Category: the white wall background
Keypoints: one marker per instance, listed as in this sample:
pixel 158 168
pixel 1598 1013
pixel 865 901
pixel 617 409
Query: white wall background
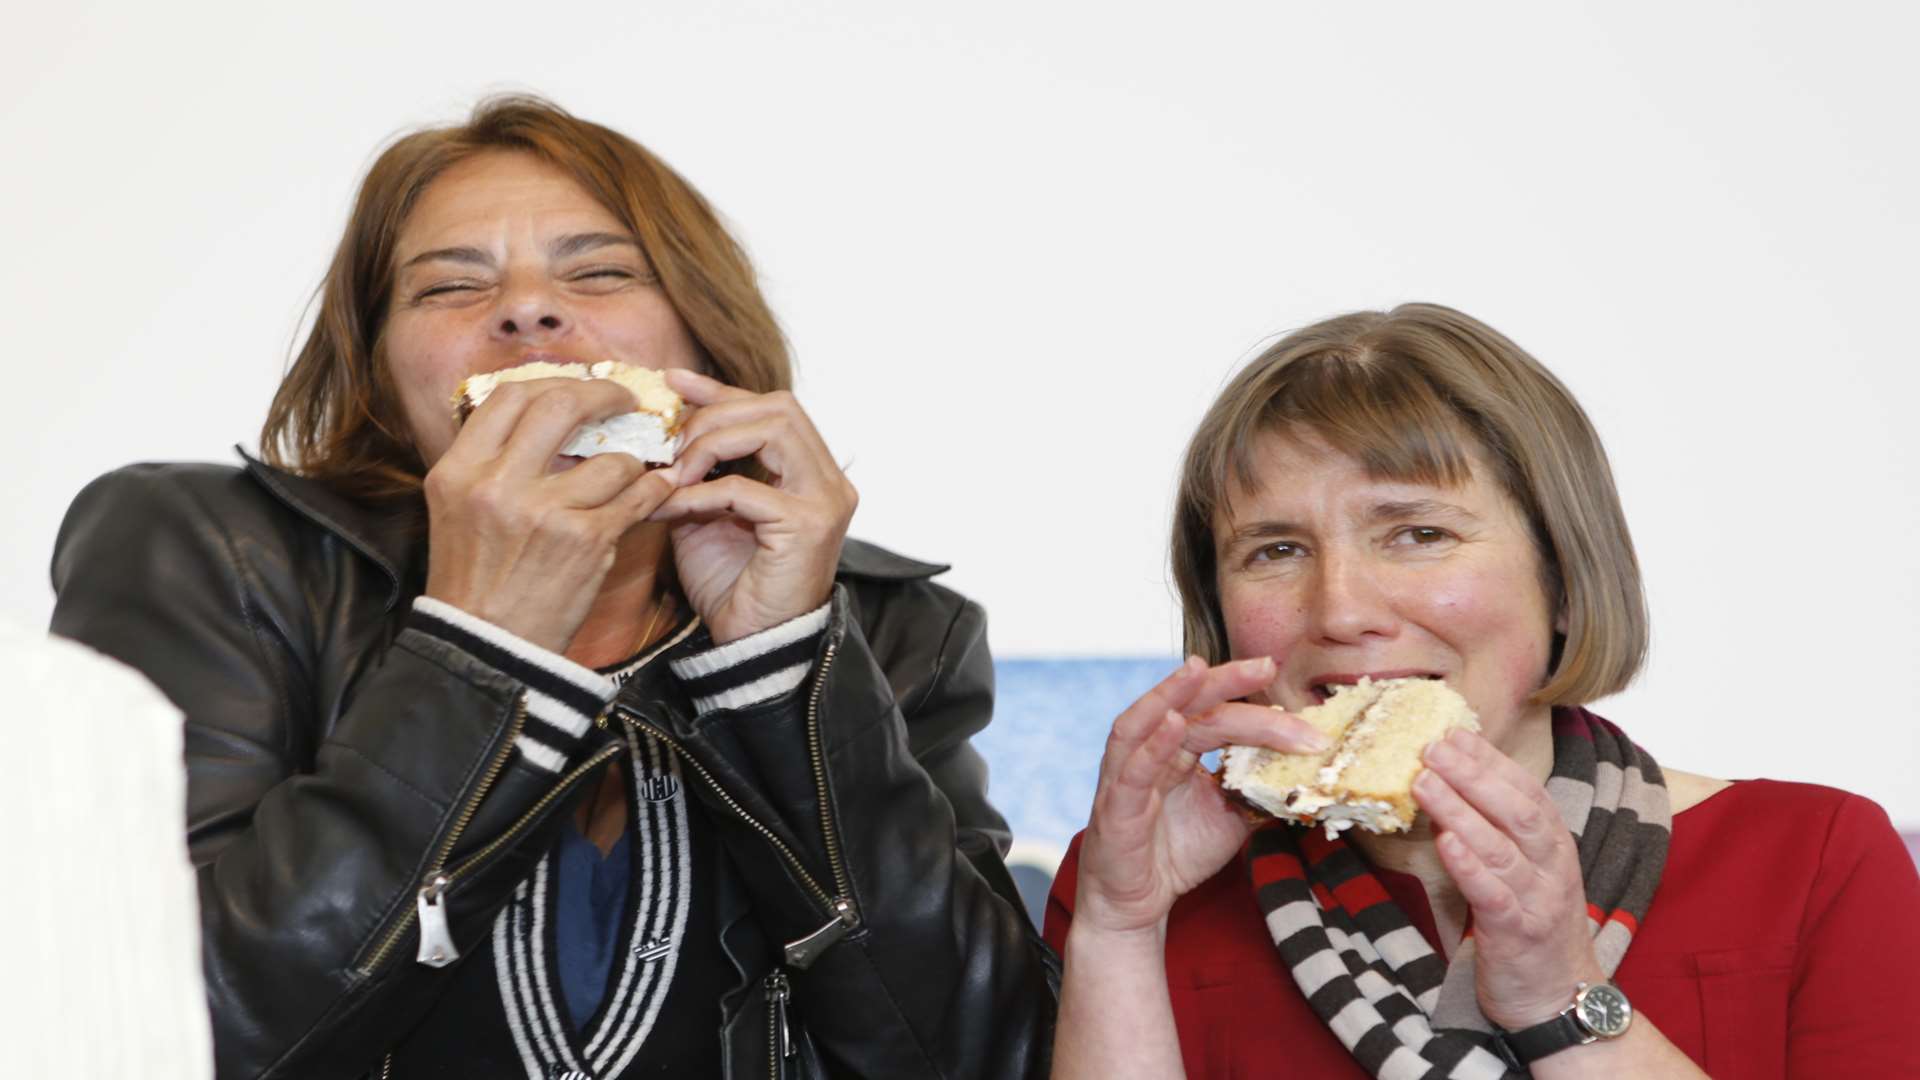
pixel 1019 245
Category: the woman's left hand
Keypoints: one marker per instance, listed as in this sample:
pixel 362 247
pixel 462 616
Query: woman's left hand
pixel 750 554
pixel 1505 846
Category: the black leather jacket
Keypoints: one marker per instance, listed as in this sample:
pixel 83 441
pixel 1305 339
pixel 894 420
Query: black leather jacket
pixel 337 762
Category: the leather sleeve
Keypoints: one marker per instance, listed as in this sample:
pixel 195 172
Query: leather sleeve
pixel 308 849
pixel 944 976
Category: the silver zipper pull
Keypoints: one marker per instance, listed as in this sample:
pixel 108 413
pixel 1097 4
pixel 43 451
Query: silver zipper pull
pixel 436 938
pixel 802 953
pixel 778 989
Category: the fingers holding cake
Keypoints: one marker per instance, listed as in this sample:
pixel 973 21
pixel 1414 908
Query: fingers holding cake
pixel 524 425
pixel 511 541
pixel 1236 723
pixel 1501 840
pixel 1207 701
pixel 753 553
pixel 1469 782
pixel 730 424
pixel 1160 824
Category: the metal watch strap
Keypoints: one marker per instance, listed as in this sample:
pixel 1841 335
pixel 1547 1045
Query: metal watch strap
pixel 1528 1045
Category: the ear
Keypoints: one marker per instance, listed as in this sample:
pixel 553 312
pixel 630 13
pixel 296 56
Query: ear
pixel 1560 620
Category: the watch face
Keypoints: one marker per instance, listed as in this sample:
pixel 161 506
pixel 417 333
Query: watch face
pixel 1604 1011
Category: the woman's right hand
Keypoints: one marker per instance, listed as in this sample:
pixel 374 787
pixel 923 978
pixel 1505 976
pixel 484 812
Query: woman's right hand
pixel 515 542
pixel 1160 824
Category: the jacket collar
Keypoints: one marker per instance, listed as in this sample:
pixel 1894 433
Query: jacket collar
pixel 388 540
pixel 391 541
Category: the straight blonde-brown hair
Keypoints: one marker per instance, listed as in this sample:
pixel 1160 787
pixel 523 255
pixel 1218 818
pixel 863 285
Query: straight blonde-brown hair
pixel 336 417
pixel 1418 394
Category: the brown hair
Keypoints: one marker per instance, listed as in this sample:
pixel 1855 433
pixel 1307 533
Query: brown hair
pixel 1417 394
pixel 336 417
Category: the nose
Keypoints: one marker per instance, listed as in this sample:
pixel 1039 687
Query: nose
pixel 1349 604
pixel 531 313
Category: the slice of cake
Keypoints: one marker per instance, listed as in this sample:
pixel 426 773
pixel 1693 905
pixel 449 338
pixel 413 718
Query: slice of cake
pixel 650 433
pixel 1377 731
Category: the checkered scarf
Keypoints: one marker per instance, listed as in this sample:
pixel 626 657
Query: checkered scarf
pixel 1403 1012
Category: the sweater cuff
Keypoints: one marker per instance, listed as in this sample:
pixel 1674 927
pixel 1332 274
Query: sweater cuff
pixel 562 697
pixel 755 669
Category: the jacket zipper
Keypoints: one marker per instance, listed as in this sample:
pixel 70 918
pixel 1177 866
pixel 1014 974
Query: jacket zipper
pixel 816 750
pixel 845 918
pixel 779 1035
pixel 826 900
pixel 802 953
pixel 430 905
pixel 386 1068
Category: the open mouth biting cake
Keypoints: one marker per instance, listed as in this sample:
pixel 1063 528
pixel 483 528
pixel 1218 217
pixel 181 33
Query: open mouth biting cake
pixel 650 432
pixel 1377 731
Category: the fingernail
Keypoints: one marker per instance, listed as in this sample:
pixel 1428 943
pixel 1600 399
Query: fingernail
pixel 1442 754
pixel 1193 664
pixel 1425 784
pixel 1259 665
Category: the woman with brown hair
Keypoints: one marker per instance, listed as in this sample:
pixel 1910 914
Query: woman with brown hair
pixel 1409 494
pixel 503 762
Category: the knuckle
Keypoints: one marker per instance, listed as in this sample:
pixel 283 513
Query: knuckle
pixel 489 493
pixel 572 527
pixel 624 466
pixel 553 404
pixel 439 482
pixel 1530 821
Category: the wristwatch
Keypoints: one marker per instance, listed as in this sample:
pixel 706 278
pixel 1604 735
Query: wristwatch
pixel 1599 1011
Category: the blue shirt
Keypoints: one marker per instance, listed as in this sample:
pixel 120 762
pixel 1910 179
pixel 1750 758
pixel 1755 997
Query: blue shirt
pixel 590 898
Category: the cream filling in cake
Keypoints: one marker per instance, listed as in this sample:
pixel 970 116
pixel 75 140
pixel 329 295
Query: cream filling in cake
pixel 1378 731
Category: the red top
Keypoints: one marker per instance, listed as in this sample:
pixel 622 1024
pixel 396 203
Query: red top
pixel 1784 941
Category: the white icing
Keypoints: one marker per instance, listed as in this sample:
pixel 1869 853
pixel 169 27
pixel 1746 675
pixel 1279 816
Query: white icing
pixel 641 434
pixel 1369 814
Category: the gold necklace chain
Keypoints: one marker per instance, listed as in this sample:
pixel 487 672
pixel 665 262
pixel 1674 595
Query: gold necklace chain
pixel 660 606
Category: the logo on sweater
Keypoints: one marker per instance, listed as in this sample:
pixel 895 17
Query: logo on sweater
pixel 653 949
pixel 658 787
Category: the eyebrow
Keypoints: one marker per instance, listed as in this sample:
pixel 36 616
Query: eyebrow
pixel 582 242
pixel 1401 509
pixel 565 247
pixel 450 254
pixel 1389 510
pixel 1255 531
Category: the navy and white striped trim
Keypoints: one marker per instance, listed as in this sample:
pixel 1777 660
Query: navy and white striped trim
pixel 638 987
pixel 562 697
pixel 756 668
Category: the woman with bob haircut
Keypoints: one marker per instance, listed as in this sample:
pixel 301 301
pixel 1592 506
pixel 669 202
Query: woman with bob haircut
pixel 503 762
pixel 1410 494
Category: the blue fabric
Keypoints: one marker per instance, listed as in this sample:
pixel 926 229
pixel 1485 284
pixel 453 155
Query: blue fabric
pixel 590 904
pixel 1050 720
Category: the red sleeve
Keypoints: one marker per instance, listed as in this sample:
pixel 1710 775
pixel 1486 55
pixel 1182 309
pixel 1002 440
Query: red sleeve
pixel 1060 898
pixel 1856 985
